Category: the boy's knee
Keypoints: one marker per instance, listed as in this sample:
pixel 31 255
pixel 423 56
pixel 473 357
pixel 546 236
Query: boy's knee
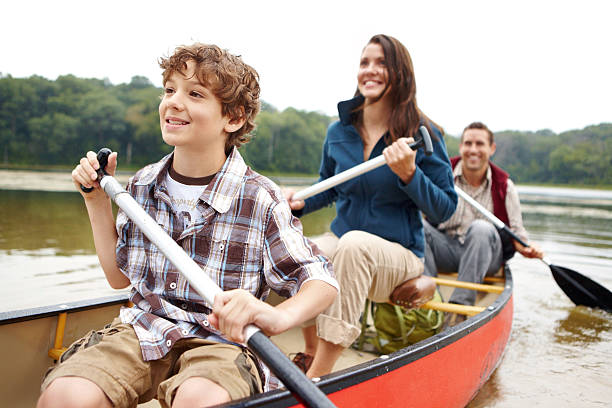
pixel 67 392
pixel 199 392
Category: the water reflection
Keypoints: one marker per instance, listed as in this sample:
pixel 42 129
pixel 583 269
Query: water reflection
pixel 35 220
pixel 583 325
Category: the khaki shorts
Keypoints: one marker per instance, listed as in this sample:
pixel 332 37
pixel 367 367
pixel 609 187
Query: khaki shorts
pixel 112 359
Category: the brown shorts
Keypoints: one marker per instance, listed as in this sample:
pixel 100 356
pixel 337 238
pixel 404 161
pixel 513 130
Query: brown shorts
pixel 112 359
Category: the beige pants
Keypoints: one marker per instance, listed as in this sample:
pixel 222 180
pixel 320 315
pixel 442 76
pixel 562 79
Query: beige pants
pixel 112 359
pixel 366 266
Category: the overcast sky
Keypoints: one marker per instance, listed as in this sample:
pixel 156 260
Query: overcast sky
pixel 522 65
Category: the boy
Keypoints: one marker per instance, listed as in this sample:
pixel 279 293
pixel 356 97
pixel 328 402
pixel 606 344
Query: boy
pixel 233 222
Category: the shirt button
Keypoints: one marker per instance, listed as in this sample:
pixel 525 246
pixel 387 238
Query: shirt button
pixel 221 246
pixel 173 285
pixel 205 323
pixel 168 343
pixel 185 332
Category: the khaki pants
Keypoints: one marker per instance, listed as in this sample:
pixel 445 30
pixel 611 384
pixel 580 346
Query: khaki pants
pixel 112 359
pixel 366 266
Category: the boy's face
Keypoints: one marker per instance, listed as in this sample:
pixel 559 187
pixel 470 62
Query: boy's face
pixel 190 114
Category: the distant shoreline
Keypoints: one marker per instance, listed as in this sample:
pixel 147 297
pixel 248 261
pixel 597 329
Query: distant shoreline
pixel 60 181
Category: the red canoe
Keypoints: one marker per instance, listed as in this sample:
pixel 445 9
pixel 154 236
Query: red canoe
pixel 445 370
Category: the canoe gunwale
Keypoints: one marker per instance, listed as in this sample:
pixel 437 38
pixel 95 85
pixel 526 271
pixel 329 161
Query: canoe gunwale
pixel 22 315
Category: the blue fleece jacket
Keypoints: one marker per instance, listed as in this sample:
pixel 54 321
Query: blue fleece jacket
pixel 378 202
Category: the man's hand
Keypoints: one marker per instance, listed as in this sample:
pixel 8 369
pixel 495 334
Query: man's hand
pixel 532 251
pixel 401 158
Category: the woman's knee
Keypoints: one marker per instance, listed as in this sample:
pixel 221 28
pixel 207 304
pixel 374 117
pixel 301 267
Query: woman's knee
pixel 354 241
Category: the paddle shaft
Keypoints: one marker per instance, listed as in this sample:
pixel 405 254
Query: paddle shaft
pixel 339 178
pixel 302 387
pixel 496 221
pixel 424 141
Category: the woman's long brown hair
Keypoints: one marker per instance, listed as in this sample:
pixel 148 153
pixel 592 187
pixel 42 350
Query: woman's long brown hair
pixel 405 116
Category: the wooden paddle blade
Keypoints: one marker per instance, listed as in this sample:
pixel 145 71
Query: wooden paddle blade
pixel 582 290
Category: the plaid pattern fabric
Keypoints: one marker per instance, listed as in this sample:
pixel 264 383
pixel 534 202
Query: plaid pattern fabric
pixel 458 224
pixel 246 238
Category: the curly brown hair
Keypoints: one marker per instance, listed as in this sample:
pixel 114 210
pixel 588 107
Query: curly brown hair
pixel 235 83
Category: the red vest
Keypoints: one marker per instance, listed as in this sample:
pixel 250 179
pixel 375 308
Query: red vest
pixel 499 186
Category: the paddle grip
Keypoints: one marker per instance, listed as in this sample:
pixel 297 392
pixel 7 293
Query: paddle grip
pixel 103 154
pixel 425 141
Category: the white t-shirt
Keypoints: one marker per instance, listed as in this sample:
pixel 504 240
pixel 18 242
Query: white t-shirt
pixel 184 198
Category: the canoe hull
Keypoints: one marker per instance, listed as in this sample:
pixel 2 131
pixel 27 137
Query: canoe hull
pixel 446 370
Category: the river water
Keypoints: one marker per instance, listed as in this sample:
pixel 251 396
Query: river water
pixel 558 355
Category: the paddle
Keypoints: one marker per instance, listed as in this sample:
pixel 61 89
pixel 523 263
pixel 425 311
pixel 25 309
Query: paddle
pixel 423 141
pixel 580 289
pixel 302 387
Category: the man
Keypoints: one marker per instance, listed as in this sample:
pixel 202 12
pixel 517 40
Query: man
pixel 467 242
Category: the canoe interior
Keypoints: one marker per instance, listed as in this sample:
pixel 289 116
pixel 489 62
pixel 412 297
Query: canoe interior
pixel 26 337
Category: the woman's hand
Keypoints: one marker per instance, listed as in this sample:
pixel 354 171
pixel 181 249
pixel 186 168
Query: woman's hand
pixel 293 204
pixel 234 309
pixel 85 174
pixel 401 158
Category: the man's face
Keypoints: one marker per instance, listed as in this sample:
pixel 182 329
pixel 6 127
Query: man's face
pixel 475 149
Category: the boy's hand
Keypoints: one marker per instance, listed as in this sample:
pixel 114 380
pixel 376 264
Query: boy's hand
pixel 235 309
pixel 293 204
pixel 401 158
pixel 84 174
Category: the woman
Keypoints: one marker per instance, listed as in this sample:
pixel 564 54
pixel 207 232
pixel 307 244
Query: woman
pixel 376 245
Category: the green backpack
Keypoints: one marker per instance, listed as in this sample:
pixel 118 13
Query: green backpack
pixel 395 327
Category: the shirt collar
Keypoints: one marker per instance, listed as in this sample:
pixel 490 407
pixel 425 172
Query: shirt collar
pixel 219 193
pixel 346 108
pixel 458 173
pixel 226 185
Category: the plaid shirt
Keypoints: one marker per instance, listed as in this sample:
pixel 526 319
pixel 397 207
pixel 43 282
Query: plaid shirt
pixel 458 224
pixel 246 238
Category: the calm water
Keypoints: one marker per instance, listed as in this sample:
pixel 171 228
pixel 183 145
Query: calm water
pixel 558 354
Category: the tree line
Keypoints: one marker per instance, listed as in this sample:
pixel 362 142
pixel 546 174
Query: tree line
pixel 52 123
pixel 581 156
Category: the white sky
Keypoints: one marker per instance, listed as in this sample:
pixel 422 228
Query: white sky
pixel 523 65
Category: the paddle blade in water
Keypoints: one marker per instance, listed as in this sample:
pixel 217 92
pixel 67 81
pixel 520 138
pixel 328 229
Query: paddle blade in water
pixel 582 290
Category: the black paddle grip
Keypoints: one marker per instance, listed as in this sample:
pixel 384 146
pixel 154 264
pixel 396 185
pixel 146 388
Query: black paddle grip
pixel 423 141
pixel 103 154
